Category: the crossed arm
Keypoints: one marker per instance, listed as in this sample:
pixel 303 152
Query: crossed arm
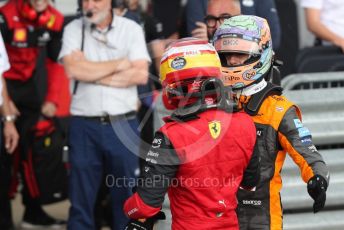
pixel 120 73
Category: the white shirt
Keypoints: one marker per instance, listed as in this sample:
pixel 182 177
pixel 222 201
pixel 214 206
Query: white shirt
pixel 331 13
pixel 4 64
pixel 124 39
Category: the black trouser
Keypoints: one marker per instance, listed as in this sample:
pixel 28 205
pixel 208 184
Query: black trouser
pixel 5 181
pixel 28 100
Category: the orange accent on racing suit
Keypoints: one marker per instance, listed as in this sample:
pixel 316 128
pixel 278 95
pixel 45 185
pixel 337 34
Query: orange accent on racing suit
pixel 279 130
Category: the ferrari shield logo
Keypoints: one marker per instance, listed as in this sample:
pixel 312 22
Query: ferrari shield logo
pixel 215 129
pixel 51 21
pixel 20 35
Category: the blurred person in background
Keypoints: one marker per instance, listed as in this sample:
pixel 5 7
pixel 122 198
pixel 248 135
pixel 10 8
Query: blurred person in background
pixel 30 27
pixel 325 19
pixel 153 29
pixel 10 137
pixel 169 14
pixel 106 57
pixel 196 13
pixel 120 8
pixel 156 46
pixel 245 48
pixel 217 12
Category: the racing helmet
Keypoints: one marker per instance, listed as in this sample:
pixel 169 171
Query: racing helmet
pixel 184 66
pixel 244 34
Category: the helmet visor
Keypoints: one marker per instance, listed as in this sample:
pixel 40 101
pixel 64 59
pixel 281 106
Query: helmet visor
pixel 237 45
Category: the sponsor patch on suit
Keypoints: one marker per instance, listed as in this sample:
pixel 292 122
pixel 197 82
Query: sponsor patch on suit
pixel 304 132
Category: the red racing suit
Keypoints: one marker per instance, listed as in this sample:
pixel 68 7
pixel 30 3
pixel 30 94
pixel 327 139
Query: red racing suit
pixel 200 171
pixel 32 44
pixel 26 39
pixel 279 131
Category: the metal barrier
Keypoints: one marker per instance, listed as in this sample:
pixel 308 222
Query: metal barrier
pixel 330 220
pixel 322 107
pixel 309 80
pixel 323 113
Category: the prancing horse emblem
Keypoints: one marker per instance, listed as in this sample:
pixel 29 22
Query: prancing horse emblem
pixel 215 129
